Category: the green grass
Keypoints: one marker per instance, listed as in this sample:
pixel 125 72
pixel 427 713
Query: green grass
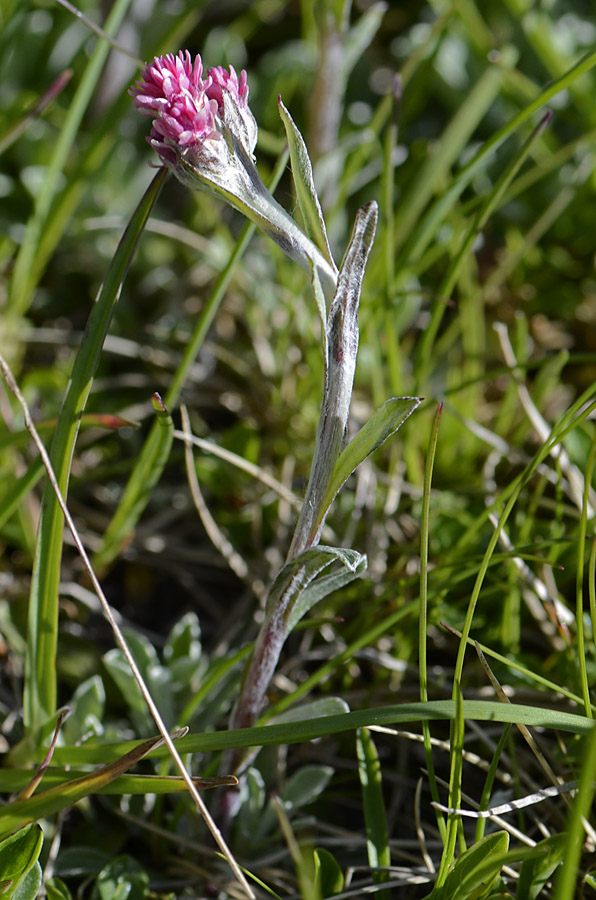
pixel 476 517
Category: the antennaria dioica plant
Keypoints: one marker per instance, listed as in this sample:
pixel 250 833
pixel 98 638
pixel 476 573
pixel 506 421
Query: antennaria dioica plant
pixel 499 496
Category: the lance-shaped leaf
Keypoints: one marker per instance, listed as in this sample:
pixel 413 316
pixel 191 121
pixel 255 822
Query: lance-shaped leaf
pixel 304 183
pixel 342 344
pixel 384 423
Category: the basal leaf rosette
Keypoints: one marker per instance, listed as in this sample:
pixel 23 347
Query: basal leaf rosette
pixel 204 131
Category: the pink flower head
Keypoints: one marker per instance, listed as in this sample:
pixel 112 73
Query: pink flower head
pixel 188 111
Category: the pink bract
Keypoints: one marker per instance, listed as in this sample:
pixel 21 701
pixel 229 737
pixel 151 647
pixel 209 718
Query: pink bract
pixel 183 105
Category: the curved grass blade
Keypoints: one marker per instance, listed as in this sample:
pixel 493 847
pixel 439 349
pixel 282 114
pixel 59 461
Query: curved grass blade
pixel 311 729
pixel 452 142
pixel 488 206
pixel 39 699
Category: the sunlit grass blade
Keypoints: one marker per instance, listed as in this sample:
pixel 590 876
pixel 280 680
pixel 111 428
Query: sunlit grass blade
pixel 121 525
pixel 39 699
pixel 375 819
pixel 26 271
pixel 570 419
pixel 311 729
pixel 456 739
pixel 423 618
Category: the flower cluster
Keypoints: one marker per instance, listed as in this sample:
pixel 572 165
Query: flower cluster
pixel 205 133
pixel 188 111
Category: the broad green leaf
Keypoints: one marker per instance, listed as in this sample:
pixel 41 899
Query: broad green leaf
pixel 87 708
pixel 475 870
pixel 29 885
pixel 18 856
pixel 329 878
pixel 184 640
pixel 535 871
pixel 375 820
pixel 157 677
pixel 306 193
pixel 382 424
pixel 39 697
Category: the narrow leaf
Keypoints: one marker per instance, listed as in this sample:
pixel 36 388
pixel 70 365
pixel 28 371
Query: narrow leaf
pixel 306 193
pixel 311 729
pixel 382 424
